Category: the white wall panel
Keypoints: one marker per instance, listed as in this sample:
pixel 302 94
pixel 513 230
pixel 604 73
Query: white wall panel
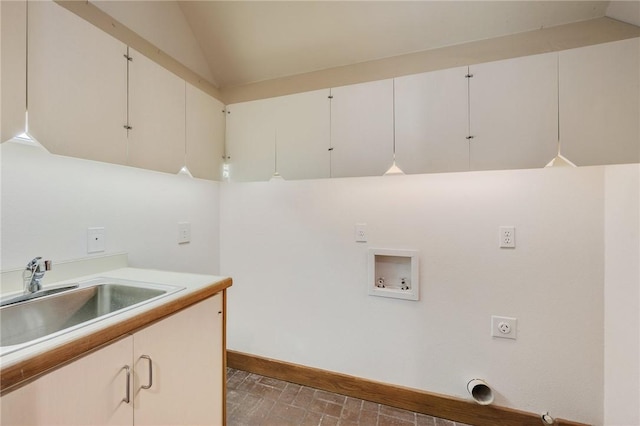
pixel 305 281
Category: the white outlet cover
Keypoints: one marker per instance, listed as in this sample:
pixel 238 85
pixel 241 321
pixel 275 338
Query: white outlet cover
pixel 507 236
pixel 504 327
pixel 95 240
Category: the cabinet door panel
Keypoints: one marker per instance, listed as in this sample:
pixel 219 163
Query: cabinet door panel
pixel 362 129
pixel 600 103
pixel 157 115
pixel 251 136
pixel 14 58
pixel 205 134
pixel 88 391
pixel 431 122
pixel 302 135
pixel 186 351
pixel 77 86
pixel 514 113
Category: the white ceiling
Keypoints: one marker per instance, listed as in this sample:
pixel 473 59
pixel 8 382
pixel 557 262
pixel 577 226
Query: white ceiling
pixel 240 42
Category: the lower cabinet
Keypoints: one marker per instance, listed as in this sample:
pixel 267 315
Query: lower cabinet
pixel 170 372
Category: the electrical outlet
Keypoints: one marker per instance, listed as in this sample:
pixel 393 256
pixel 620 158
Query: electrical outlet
pixel 361 232
pixel 184 232
pixel 507 236
pixel 504 327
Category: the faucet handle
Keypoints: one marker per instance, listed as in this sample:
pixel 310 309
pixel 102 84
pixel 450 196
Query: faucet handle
pixel 47 265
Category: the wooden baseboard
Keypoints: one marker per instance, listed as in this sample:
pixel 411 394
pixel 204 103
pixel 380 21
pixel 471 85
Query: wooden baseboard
pixel 432 404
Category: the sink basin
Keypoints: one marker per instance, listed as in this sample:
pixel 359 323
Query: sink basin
pixel 37 319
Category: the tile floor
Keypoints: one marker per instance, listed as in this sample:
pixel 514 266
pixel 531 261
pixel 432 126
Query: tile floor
pixel 254 400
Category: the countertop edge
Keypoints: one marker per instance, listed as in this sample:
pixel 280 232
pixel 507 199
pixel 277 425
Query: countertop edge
pixel 22 372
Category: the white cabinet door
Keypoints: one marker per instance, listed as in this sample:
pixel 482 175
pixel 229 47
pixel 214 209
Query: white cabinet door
pixel 77 86
pixel 514 113
pixel 251 140
pixel 156 115
pixel 13 74
pixel 431 122
pixel 600 103
pixel 287 133
pixel 205 118
pixel 362 129
pixel 89 391
pixel 302 135
pixel 186 354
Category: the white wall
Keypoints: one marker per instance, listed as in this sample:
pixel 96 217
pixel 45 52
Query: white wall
pixel 49 201
pixel 622 295
pixel 299 281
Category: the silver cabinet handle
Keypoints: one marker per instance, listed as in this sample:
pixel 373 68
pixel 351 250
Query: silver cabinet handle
pixel 148 358
pixel 127 398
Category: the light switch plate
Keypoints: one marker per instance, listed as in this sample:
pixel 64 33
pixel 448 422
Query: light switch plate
pixel 184 232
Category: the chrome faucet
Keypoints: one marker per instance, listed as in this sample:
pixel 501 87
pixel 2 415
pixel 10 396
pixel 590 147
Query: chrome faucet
pixel 37 267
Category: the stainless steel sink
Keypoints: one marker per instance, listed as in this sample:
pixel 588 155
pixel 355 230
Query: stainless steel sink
pixel 44 317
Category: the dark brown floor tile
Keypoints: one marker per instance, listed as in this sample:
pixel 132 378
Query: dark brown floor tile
pixel 330 397
pixel 393 421
pixel 304 397
pixel 268 381
pixel 288 411
pixel 424 420
pixel 329 421
pixel 368 417
pixel 311 419
pixel 443 422
pixel 255 415
pixel 267 392
pixel 351 410
pixel 370 406
pixel 344 422
pixel 333 410
pixel 317 406
pixel 290 393
pixel 234 397
pixel 398 413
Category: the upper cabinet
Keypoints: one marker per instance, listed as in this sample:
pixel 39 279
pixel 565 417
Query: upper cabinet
pixel 205 127
pixel 288 135
pixel 513 108
pixel 302 135
pixel 431 122
pixel 600 103
pixel 92 97
pixel 251 140
pixel 77 86
pixel 156 116
pixel 13 49
pixel 362 129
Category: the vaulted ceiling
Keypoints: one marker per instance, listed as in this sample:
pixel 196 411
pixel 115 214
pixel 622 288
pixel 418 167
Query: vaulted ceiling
pixel 242 42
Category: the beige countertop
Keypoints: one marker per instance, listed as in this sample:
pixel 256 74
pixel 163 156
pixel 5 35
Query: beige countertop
pixel 21 364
